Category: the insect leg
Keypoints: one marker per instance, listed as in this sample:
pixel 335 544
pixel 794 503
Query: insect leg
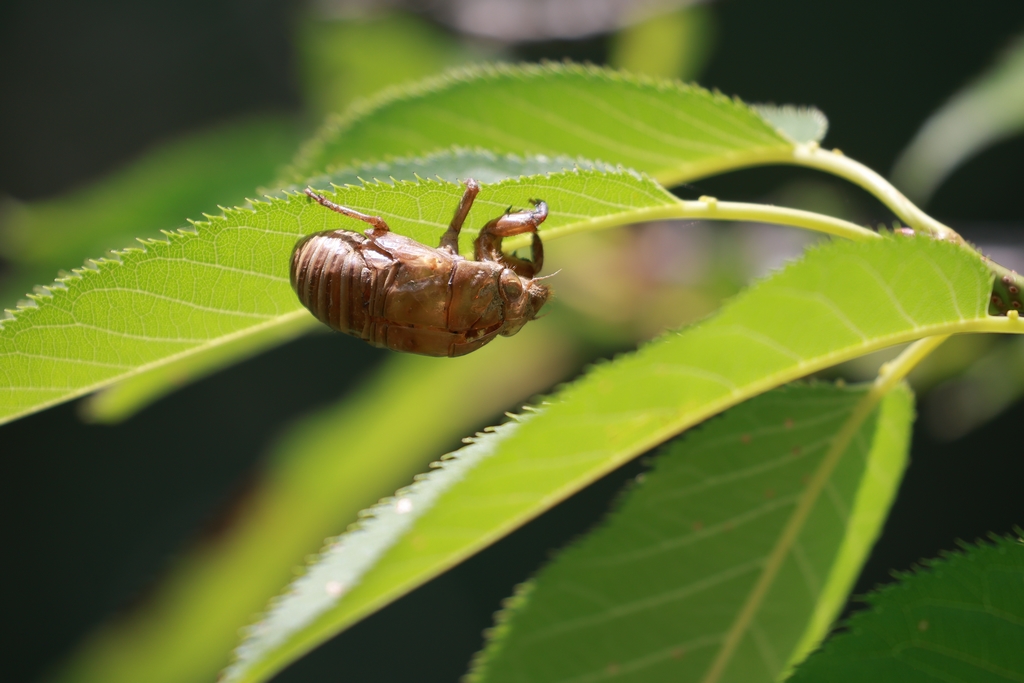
pixel 376 221
pixel 522 267
pixel 537 254
pixel 488 244
pixel 450 239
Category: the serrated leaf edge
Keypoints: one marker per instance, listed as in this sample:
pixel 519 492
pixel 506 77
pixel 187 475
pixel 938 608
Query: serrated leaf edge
pixel 364 542
pixel 494 636
pixel 364 108
pixel 115 257
pixel 904 581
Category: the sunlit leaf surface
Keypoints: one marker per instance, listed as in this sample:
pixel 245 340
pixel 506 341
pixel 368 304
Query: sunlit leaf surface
pixel 983 113
pixel 671 131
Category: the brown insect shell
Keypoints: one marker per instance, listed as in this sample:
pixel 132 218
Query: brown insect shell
pixel 394 292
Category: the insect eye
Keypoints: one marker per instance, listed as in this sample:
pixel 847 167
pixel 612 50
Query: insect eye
pixel 511 285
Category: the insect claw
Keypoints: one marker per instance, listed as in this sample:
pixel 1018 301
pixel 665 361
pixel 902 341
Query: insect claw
pixel 508 210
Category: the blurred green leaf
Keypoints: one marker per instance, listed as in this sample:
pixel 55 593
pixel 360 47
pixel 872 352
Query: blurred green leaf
pixel 196 291
pixel 183 177
pixel 840 301
pixel 322 472
pixel 672 44
pixel 958 618
pixel 651 594
pixel 986 111
pixel 989 385
pixel 346 58
pixel 673 132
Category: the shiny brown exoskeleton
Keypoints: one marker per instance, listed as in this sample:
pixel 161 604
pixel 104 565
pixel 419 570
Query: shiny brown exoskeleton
pixel 397 293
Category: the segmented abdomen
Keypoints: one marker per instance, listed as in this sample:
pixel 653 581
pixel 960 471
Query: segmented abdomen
pixel 331 278
pixel 396 293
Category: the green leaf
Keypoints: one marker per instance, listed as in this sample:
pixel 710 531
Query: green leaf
pixel 355 56
pixel 674 44
pixel 320 473
pixel 671 131
pixel 986 111
pixel 200 290
pixel 983 389
pixel 839 302
pixel 664 580
pixel 959 618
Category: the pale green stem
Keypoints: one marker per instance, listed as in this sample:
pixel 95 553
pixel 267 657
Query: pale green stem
pixel 709 208
pixel 834 162
pixel 889 375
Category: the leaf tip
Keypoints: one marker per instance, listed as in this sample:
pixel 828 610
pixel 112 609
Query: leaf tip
pixel 799 124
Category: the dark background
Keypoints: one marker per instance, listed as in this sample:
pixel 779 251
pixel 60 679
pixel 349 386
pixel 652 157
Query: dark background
pixel 91 518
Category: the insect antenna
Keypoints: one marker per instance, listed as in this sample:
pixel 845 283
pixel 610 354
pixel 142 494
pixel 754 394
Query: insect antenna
pixel 549 275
